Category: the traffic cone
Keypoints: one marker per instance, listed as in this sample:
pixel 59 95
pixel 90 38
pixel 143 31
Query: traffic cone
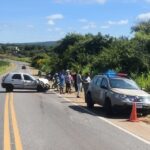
pixel 133 116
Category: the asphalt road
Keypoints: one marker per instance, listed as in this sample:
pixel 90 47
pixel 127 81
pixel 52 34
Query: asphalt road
pixel 45 121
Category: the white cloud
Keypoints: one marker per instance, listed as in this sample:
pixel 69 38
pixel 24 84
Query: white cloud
pixel 4 26
pixel 56 29
pixel 105 27
pixel 83 20
pixel 144 17
pixel 30 26
pixel 147 1
pixel 81 1
pixel 53 18
pixel 90 25
pixel 120 22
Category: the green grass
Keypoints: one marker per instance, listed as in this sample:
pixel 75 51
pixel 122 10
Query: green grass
pixel 4 67
pixel 143 81
pixel 11 57
pixel 23 59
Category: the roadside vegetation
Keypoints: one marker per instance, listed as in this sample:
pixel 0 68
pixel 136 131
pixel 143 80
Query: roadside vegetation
pixel 4 66
pixel 95 54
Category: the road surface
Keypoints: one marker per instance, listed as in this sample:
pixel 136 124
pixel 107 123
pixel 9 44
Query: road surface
pixel 45 121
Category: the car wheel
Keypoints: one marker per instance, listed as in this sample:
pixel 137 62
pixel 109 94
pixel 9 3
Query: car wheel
pixel 47 86
pixel 89 101
pixel 108 107
pixel 9 88
pixel 40 88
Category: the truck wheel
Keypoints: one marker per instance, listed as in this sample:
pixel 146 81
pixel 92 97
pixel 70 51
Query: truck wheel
pixel 89 101
pixel 108 107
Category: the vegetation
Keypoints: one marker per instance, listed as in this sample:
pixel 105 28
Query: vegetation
pixel 94 53
pixel 4 66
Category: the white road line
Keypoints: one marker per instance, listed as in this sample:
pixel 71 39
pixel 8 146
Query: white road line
pixel 107 121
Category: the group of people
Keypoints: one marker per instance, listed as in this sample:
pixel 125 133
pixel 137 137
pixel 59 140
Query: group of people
pixel 68 80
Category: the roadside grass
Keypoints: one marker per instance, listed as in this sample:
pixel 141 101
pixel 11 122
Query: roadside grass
pixel 11 57
pixel 143 81
pixel 23 59
pixel 5 66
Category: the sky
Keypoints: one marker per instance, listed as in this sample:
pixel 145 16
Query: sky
pixel 24 21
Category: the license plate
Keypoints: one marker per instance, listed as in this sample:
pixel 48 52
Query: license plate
pixel 139 105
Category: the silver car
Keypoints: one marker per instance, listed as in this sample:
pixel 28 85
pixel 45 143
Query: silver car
pixel 24 81
pixel 116 92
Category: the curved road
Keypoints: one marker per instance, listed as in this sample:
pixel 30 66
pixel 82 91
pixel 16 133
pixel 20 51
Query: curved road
pixel 45 121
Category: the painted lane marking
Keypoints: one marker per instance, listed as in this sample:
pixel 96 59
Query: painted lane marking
pixel 18 143
pixel 107 121
pixel 6 125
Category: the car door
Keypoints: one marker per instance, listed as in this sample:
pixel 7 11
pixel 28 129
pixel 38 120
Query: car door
pixel 17 81
pixel 104 89
pixel 98 89
pixel 29 82
pixel 93 87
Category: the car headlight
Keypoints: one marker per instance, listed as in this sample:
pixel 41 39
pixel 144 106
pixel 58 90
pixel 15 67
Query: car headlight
pixel 124 97
pixel 120 96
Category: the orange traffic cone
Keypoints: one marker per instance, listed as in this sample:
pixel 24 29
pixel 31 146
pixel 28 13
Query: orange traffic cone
pixel 133 116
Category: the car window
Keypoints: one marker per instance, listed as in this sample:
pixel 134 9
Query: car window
pixel 94 80
pixel 98 81
pixel 16 76
pixel 104 83
pixel 123 84
pixel 26 77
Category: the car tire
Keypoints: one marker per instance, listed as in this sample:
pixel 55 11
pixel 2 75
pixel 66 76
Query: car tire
pixel 39 88
pixel 89 101
pixel 47 86
pixel 9 88
pixel 108 107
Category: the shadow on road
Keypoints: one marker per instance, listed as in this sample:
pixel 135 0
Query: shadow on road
pixel 2 91
pixel 99 111
pixel 27 91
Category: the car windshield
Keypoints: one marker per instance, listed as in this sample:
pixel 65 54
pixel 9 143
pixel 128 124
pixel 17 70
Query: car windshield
pixel 123 83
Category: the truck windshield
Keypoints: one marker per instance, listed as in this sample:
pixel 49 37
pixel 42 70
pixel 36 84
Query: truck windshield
pixel 123 83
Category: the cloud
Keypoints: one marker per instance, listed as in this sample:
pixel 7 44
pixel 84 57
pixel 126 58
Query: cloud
pixel 56 29
pixel 30 26
pixel 105 27
pixel 144 17
pixel 5 26
pixel 90 25
pixel 81 1
pixel 147 1
pixel 53 18
pixel 120 22
pixel 83 20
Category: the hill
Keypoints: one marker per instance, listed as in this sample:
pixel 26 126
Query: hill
pixel 45 44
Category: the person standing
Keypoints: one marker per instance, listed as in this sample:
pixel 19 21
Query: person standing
pixel 86 82
pixel 79 84
pixel 68 80
pixel 62 82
